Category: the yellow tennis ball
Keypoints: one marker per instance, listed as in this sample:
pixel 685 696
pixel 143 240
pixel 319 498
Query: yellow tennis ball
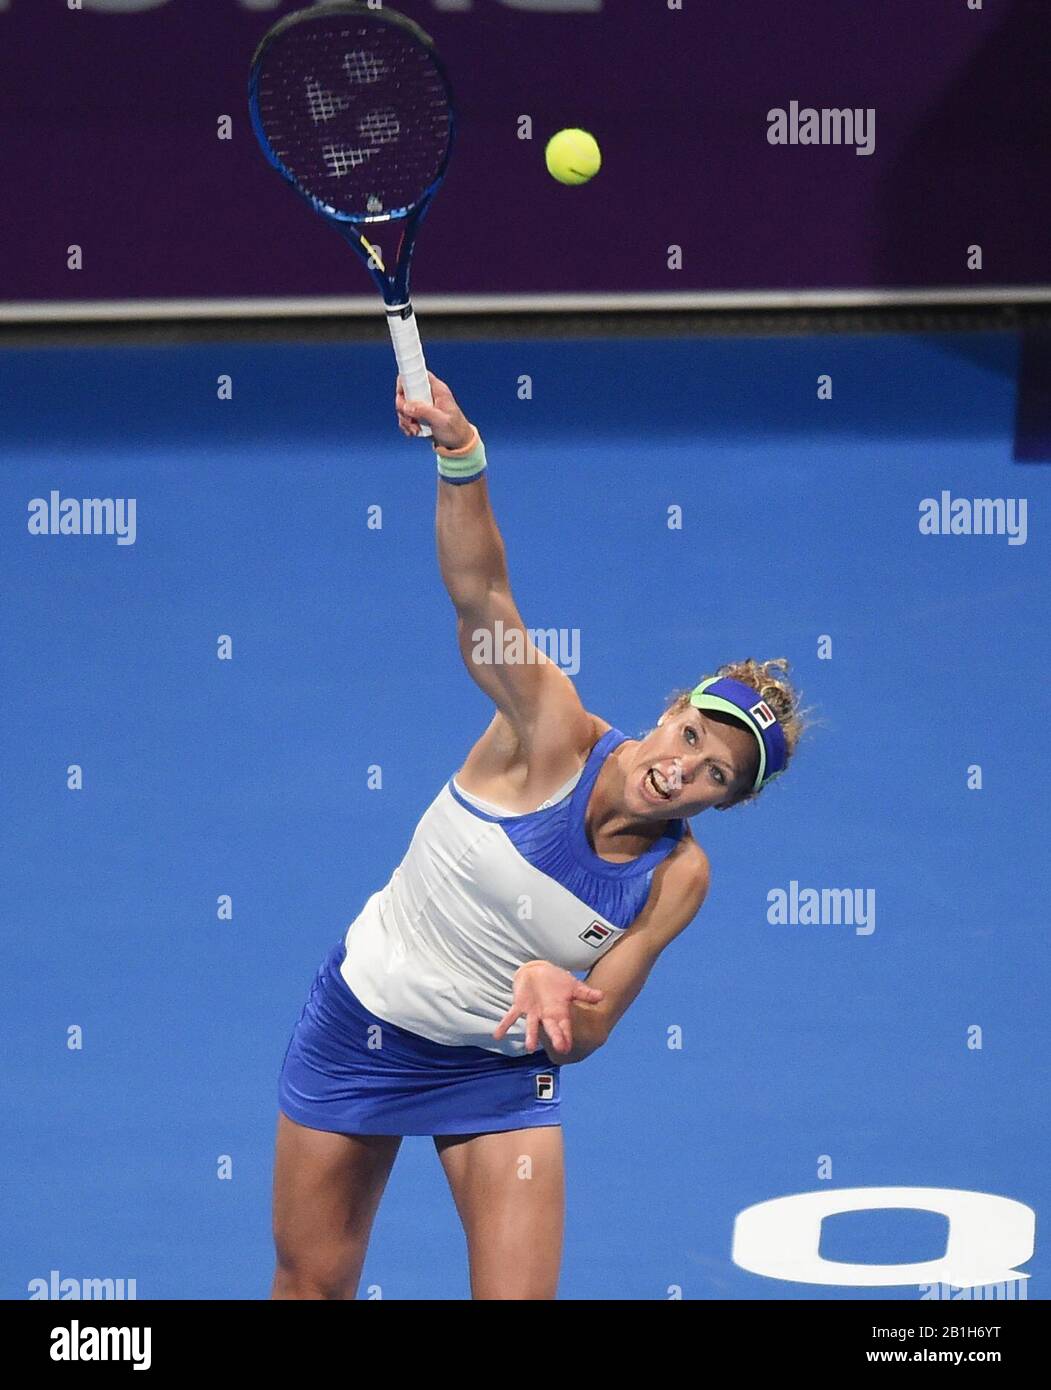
pixel 572 156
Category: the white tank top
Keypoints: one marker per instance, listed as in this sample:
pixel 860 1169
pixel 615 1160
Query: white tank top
pixel 481 891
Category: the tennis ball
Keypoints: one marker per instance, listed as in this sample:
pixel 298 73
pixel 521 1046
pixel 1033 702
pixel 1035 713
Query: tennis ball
pixel 572 156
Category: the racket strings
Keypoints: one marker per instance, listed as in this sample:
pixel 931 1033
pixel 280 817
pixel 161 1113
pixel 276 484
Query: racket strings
pixel 358 114
pixel 362 67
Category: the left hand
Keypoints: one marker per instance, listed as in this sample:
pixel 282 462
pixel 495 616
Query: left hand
pixel 544 993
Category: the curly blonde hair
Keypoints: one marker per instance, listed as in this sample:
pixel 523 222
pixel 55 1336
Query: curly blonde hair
pixel 770 680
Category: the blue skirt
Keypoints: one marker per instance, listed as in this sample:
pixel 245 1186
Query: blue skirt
pixel 333 1080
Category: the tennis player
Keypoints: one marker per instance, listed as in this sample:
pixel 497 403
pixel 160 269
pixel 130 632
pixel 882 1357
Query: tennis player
pixel 561 846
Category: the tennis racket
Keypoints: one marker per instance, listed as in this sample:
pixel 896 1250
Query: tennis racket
pixel 352 106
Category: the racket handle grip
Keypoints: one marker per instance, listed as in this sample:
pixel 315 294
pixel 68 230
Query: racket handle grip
pixel 405 335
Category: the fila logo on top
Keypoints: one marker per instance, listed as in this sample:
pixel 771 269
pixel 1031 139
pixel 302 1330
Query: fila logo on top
pixel 545 1086
pixel 763 714
pixel 597 934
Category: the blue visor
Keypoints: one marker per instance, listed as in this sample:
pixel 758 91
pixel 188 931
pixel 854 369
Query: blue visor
pixel 743 703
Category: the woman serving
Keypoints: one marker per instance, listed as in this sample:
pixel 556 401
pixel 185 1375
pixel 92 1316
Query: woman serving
pixel 451 1003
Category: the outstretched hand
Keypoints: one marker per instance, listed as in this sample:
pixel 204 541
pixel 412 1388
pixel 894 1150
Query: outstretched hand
pixel 544 993
pixel 449 426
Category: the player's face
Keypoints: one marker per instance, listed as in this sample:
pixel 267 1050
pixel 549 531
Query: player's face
pixel 692 761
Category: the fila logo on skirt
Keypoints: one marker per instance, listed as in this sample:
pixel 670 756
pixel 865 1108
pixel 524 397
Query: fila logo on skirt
pixel 545 1086
pixel 597 934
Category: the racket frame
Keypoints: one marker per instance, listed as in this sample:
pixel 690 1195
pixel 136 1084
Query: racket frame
pixel 393 284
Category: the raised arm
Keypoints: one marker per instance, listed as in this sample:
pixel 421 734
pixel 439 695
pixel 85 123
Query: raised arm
pixel 535 695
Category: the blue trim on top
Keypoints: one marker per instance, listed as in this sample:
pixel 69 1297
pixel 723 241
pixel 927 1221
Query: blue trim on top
pixel 477 811
pixel 576 828
pixel 553 839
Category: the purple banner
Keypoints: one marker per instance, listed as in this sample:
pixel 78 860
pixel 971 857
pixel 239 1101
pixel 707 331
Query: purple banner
pixel 816 145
